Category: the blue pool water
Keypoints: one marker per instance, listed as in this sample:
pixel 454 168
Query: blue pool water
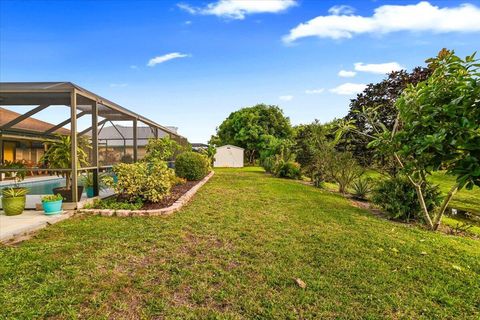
pixel 41 187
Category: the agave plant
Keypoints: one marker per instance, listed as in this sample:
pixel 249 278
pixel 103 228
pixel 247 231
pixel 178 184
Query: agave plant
pixel 14 192
pixel 361 188
pixel 59 155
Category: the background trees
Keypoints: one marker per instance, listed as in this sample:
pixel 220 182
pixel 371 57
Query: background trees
pixel 379 98
pixel 251 128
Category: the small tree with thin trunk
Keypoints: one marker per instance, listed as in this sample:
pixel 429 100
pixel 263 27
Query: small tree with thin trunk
pixel 438 128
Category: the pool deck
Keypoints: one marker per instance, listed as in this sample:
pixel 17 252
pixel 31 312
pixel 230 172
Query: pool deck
pixel 14 229
pixel 17 228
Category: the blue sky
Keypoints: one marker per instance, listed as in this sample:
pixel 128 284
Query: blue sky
pixel 229 54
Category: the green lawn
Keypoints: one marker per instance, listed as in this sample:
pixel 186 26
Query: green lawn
pixel 234 252
pixel 468 200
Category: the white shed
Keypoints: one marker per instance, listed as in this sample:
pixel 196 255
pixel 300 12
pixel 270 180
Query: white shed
pixel 229 156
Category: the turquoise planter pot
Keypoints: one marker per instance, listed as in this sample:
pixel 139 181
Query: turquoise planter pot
pixel 89 192
pixel 52 207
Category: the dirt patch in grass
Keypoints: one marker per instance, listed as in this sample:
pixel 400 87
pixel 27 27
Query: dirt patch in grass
pixel 176 192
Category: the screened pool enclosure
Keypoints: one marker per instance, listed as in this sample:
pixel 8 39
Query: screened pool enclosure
pixel 22 133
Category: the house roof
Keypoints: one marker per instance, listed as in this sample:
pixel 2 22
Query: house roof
pixel 229 146
pixel 116 135
pixel 30 124
pixel 199 145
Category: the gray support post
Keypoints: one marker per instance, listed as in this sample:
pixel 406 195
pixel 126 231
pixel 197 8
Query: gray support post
pixel 156 133
pixel 1 156
pixel 135 151
pixel 95 147
pixel 73 137
pixel 1 150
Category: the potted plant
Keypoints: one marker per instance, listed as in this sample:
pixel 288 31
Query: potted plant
pixel 52 204
pixel 13 200
pixel 59 156
pixel 12 165
pixel 87 182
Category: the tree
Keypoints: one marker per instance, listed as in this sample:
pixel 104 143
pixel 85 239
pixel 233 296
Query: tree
pixel 438 127
pixel 250 128
pixel 314 146
pixel 342 168
pixel 59 155
pixel 165 149
pixel 379 98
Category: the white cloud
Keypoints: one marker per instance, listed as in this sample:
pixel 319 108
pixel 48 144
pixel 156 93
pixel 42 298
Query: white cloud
pixel 118 85
pixel 391 18
pixel 346 74
pixel 378 68
pixel 341 9
pixel 169 56
pixel 187 8
pixel 286 98
pixel 133 67
pixel 238 9
pixel 348 88
pixel 188 22
pixel 315 91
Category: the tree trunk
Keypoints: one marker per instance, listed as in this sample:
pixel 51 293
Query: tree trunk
pixel 446 201
pixel 418 189
pixel 251 156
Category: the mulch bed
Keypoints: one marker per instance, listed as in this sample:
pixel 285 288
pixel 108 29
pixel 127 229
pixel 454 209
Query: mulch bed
pixel 175 193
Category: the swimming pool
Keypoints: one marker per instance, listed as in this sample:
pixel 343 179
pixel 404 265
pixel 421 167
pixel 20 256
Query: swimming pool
pixel 40 187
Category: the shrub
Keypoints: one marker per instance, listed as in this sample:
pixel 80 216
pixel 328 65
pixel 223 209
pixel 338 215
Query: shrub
pixel 342 168
pixel 269 164
pixel 397 197
pixel 192 166
pixel 288 169
pixel 164 149
pixel 126 158
pixel 147 181
pixel 361 188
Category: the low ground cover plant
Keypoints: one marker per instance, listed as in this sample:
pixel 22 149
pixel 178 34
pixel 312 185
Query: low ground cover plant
pixel 115 204
pixel 192 166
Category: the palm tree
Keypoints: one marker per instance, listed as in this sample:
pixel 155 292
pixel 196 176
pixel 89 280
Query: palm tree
pixel 59 155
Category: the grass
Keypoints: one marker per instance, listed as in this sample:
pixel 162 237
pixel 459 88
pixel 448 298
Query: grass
pixel 468 200
pixel 234 253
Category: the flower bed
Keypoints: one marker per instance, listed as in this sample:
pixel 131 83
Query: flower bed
pixel 170 204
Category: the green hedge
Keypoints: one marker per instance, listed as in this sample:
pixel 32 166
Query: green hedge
pixel 192 166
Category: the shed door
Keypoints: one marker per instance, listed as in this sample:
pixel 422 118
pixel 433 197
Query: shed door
pixel 230 158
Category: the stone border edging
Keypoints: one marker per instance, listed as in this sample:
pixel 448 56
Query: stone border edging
pixel 177 205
